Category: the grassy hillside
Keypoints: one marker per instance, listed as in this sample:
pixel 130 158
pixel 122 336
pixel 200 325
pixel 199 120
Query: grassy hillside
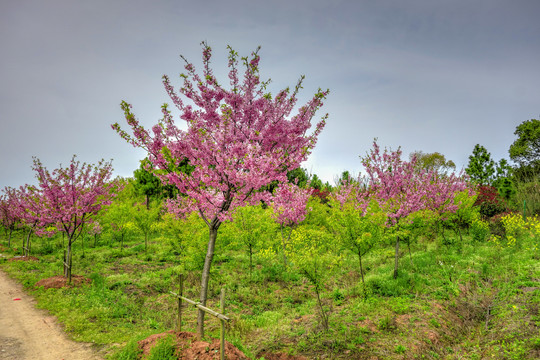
pixel 476 299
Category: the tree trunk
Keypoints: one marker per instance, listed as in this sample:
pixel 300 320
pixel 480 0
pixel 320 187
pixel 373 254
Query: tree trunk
pixel 67 262
pixel 250 259
pixel 460 237
pixel 443 234
pixel 396 258
pixel 22 246
pixel 324 317
pixel 283 247
pixel 27 248
pixel 145 241
pixel 205 278
pixel 361 269
pixel 410 254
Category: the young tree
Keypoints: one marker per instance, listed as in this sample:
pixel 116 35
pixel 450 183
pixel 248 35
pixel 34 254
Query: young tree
pixel 359 225
pixel 146 183
pixel 237 141
pixel 253 225
pixel 94 229
pixel 8 213
pixel 72 196
pixel 466 212
pixel 144 218
pixel 312 256
pixel 481 167
pixel 28 205
pixel 120 219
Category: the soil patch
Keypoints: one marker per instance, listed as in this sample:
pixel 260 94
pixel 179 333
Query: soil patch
pixel 280 356
pixel 188 348
pixel 24 258
pixel 57 282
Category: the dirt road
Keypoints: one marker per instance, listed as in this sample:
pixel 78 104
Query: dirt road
pixel 27 333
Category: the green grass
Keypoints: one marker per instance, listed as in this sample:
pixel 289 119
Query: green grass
pixel 473 302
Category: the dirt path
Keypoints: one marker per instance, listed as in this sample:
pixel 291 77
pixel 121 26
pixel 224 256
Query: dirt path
pixel 27 333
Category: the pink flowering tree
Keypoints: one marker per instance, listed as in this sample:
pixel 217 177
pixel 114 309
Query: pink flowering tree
pixel 8 213
pixel 27 205
pixel 94 229
pixel 289 205
pixel 72 196
pixel 402 188
pixel 442 190
pixel 236 141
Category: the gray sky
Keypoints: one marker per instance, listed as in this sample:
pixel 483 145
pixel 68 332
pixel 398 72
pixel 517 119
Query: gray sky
pixel 424 75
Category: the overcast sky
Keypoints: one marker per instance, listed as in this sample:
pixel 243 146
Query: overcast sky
pixel 424 75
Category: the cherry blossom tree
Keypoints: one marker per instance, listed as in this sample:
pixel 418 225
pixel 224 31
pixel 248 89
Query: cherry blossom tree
pixel 71 196
pixel 402 188
pixel 8 214
pixel 236 141
pixel 26 204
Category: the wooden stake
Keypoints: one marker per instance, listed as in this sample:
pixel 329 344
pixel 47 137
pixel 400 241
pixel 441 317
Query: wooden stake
pixel 222 331
pixel 181 292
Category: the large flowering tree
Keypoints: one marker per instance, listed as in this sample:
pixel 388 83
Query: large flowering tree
pixel 71 196
pixel 237 141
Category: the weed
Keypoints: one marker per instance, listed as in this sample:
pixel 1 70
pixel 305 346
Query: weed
pixel 164 349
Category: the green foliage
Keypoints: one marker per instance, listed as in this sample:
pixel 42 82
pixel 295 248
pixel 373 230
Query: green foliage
pixel 433 162
pixel 504 181
pixel 310 253
pixel 465 214
pixel 481 167
pixel 298 176
pixel 479 230
pixel 145 183
pixel 253 226
pixel 356 232
pixel 526 198
pixel 186 239
pixel 525 150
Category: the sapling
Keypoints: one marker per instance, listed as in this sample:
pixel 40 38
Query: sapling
pixel 358 227
pixel 252 228
pixel 144 216
pixel 310 253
